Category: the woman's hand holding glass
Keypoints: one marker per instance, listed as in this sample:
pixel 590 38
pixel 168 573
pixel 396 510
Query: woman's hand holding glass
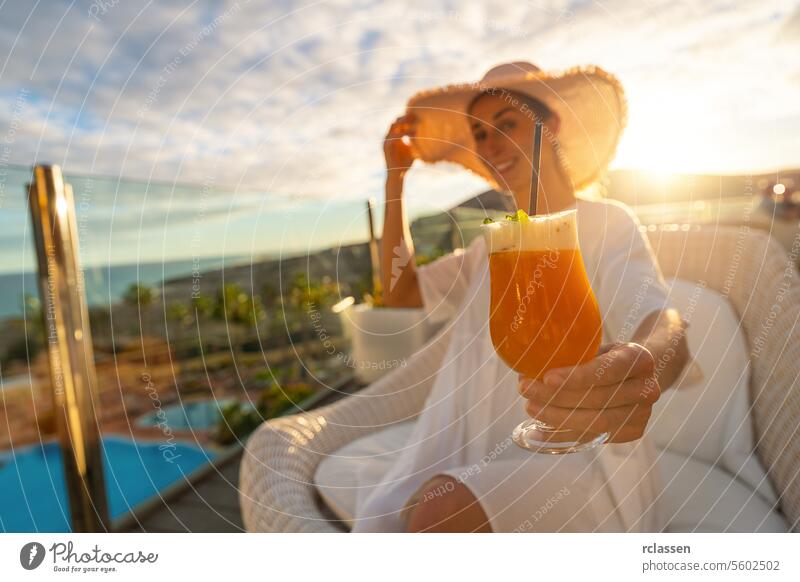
pixel 613 393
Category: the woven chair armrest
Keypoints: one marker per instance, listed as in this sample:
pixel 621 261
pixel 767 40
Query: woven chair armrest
pixel 277 492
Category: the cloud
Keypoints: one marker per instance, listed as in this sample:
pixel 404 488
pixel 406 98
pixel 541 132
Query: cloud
pixel 293 98
pixel 790 31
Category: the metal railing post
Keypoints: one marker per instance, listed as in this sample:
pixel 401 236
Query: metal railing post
pixel 69 347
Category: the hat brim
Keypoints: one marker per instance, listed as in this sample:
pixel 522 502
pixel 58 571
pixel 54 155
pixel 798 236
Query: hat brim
pixel 589 101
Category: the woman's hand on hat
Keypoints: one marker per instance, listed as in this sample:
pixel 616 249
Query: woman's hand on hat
pixel 399 154
pixel 614 393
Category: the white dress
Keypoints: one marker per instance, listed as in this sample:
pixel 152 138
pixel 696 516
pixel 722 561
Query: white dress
pixel 465 426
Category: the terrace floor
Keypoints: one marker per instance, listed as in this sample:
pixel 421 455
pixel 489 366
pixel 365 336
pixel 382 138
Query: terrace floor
pixel 211 504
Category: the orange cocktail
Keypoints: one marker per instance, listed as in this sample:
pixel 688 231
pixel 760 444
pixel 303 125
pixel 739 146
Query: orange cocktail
pixel 543 313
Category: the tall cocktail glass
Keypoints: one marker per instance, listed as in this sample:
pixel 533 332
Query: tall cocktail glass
pixel 543 312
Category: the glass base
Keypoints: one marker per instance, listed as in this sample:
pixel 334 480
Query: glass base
pixel 540 438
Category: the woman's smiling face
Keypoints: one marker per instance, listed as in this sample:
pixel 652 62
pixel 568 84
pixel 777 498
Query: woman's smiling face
pixel 502 127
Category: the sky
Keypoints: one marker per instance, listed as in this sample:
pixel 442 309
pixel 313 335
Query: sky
pixel 283 104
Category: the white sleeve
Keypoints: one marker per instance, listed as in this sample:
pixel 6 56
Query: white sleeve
pixel 443 283
pixel 631 285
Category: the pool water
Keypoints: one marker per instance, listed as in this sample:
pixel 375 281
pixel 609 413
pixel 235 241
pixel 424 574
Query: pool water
pixel 196 415
pixel 33 494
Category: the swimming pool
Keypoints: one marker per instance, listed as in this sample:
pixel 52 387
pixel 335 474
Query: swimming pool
pixel 33 495
pixel 195 415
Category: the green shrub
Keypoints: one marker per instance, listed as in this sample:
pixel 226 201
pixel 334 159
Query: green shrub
pixel 239 420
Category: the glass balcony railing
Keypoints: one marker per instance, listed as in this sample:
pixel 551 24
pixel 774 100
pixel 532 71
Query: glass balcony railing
pixel 201 304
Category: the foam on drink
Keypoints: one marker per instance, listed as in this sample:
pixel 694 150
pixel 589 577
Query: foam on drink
pixel 537 233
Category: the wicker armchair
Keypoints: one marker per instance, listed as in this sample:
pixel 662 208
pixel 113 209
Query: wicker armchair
pixel 745 265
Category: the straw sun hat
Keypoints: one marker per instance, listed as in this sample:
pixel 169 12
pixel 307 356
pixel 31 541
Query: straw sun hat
pixel 589 102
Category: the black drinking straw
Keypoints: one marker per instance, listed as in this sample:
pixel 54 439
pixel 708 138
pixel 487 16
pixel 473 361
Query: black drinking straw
pixel 536 162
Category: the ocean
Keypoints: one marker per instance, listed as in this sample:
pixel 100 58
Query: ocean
pixel 105 285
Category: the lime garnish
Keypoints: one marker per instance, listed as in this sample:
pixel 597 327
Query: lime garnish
pixel 519 216
pixel 487 220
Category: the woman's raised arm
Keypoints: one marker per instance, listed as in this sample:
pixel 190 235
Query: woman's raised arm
pixel 398 270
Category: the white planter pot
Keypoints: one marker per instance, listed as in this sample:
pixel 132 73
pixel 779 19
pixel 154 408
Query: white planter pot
pixel 382 338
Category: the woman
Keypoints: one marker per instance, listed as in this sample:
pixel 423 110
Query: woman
pixel 460 471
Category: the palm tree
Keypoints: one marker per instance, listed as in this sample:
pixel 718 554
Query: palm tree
pixel 178 312
pixel 203 306
pixel 236 307
pixel 141 297
pixel 306 296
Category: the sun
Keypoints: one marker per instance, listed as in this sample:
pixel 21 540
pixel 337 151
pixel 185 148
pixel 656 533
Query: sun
pixel 652 146
pixel 667 135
